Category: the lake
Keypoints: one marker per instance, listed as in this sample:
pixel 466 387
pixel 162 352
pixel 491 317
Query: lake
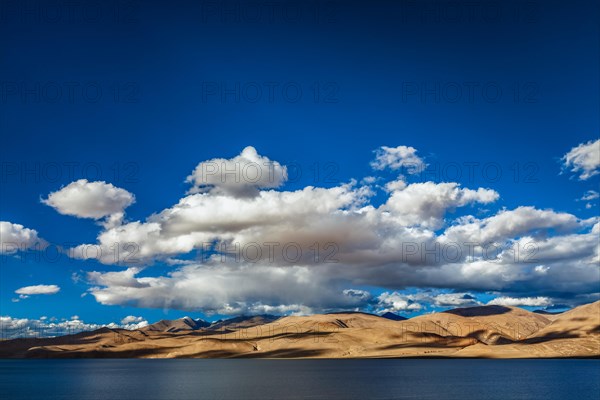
pixel 299 379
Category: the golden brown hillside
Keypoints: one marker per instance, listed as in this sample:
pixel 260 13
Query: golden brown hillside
pixel 488 331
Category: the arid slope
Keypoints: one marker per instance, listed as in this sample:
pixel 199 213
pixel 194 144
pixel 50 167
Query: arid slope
pixel 488 331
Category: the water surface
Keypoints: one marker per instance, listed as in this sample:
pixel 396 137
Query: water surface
pixel 299 379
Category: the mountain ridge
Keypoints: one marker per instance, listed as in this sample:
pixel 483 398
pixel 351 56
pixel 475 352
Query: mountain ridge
pixel 475 332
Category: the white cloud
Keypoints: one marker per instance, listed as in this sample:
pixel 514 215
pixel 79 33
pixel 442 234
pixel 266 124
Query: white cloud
pixel 227 289
pixel 398 157
pixel 241 176
pixel 508 224
pixel 38 289
pixel 15 237
pixel 590 195
pixel 426 203
pixel 123 279
pixel 94 200
pixel 570 266
pixel 201 218
pixel 584 159
pixel 366 246
pixel 455 300
pixel 396 302
pixel 521 301
pixel 130 319
pixel 541 269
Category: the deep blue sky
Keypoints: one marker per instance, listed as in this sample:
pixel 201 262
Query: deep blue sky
pixel 366 58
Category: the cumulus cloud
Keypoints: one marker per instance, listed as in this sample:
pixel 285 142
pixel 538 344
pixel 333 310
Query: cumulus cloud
pixel 15 237
pixel 227 289
pixel 419 301
pixel 130 319
pixel 395 158
pixel 241 176
pixel 584 159
pixel 426 203
pixel 455 300
pixel 343 241
pixel 508 224
pixel 396 302
pixel 200 219
pixel 94 200
pixel 38 289
pixel 563 266
pixel 521 301
pixel 570 267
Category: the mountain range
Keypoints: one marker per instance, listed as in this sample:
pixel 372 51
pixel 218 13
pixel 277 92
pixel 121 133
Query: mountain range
pixel 478 332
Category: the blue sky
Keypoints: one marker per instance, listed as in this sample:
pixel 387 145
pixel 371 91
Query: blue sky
pixel 137 96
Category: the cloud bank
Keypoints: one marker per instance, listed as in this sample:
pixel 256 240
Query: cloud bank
pixel 237 245
pixel 11 328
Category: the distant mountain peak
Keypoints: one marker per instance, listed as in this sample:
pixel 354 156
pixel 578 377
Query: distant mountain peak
pixel 243 321
pixel 177 325
pixel 393 317
pixel 548 312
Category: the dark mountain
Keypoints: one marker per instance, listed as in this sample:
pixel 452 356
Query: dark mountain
pixel 242 322
pixel 176 325
pixel 544 312
pixel 393 317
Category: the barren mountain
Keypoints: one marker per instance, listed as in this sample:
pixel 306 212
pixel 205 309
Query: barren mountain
pixel 177 325
pixel 574 333
pixel 242 322
pixel 488 331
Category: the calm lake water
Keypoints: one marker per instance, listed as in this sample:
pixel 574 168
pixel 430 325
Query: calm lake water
pixel 299 379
